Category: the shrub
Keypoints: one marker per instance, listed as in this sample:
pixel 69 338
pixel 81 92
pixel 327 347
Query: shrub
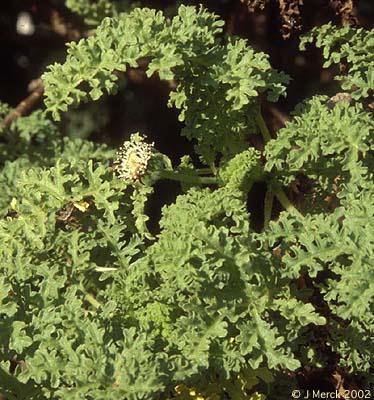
pixel 96 305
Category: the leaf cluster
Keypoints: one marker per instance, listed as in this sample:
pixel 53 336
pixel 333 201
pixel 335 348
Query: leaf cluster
pixel 217 84
pixel 93 12
pixel 351 49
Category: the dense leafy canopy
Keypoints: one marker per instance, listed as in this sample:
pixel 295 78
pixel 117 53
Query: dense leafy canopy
pixel 92 305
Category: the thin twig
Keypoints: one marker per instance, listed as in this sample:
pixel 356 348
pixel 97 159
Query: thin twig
pixel 268 206
pixel 262 125
pixel 25 105
pixel 65 28
pixel 186 178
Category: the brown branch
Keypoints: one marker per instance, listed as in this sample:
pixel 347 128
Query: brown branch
pixel 65 28
pixel 64 22
pixel 346 10
pixel 278 115
pixel 27 104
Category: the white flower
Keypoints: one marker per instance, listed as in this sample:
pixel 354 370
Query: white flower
pixel 133 158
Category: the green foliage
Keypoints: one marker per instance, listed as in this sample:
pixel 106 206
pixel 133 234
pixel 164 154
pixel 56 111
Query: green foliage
pixel 350 47
pixel 339 247
pixel 339 139
pixel 93 12
pixel 216 109
pixel 95 304
pixel 35 141
pixel 242 170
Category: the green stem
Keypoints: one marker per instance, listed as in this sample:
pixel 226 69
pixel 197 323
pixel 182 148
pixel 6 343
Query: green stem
pixel 91 299
pixel 285 202
pixel 203 171
pixel 279 192
pixel 186 178
pixel 269 199
pixel 262 125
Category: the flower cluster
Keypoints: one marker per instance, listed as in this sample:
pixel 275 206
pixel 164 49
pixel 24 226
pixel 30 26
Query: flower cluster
pixel 133 158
